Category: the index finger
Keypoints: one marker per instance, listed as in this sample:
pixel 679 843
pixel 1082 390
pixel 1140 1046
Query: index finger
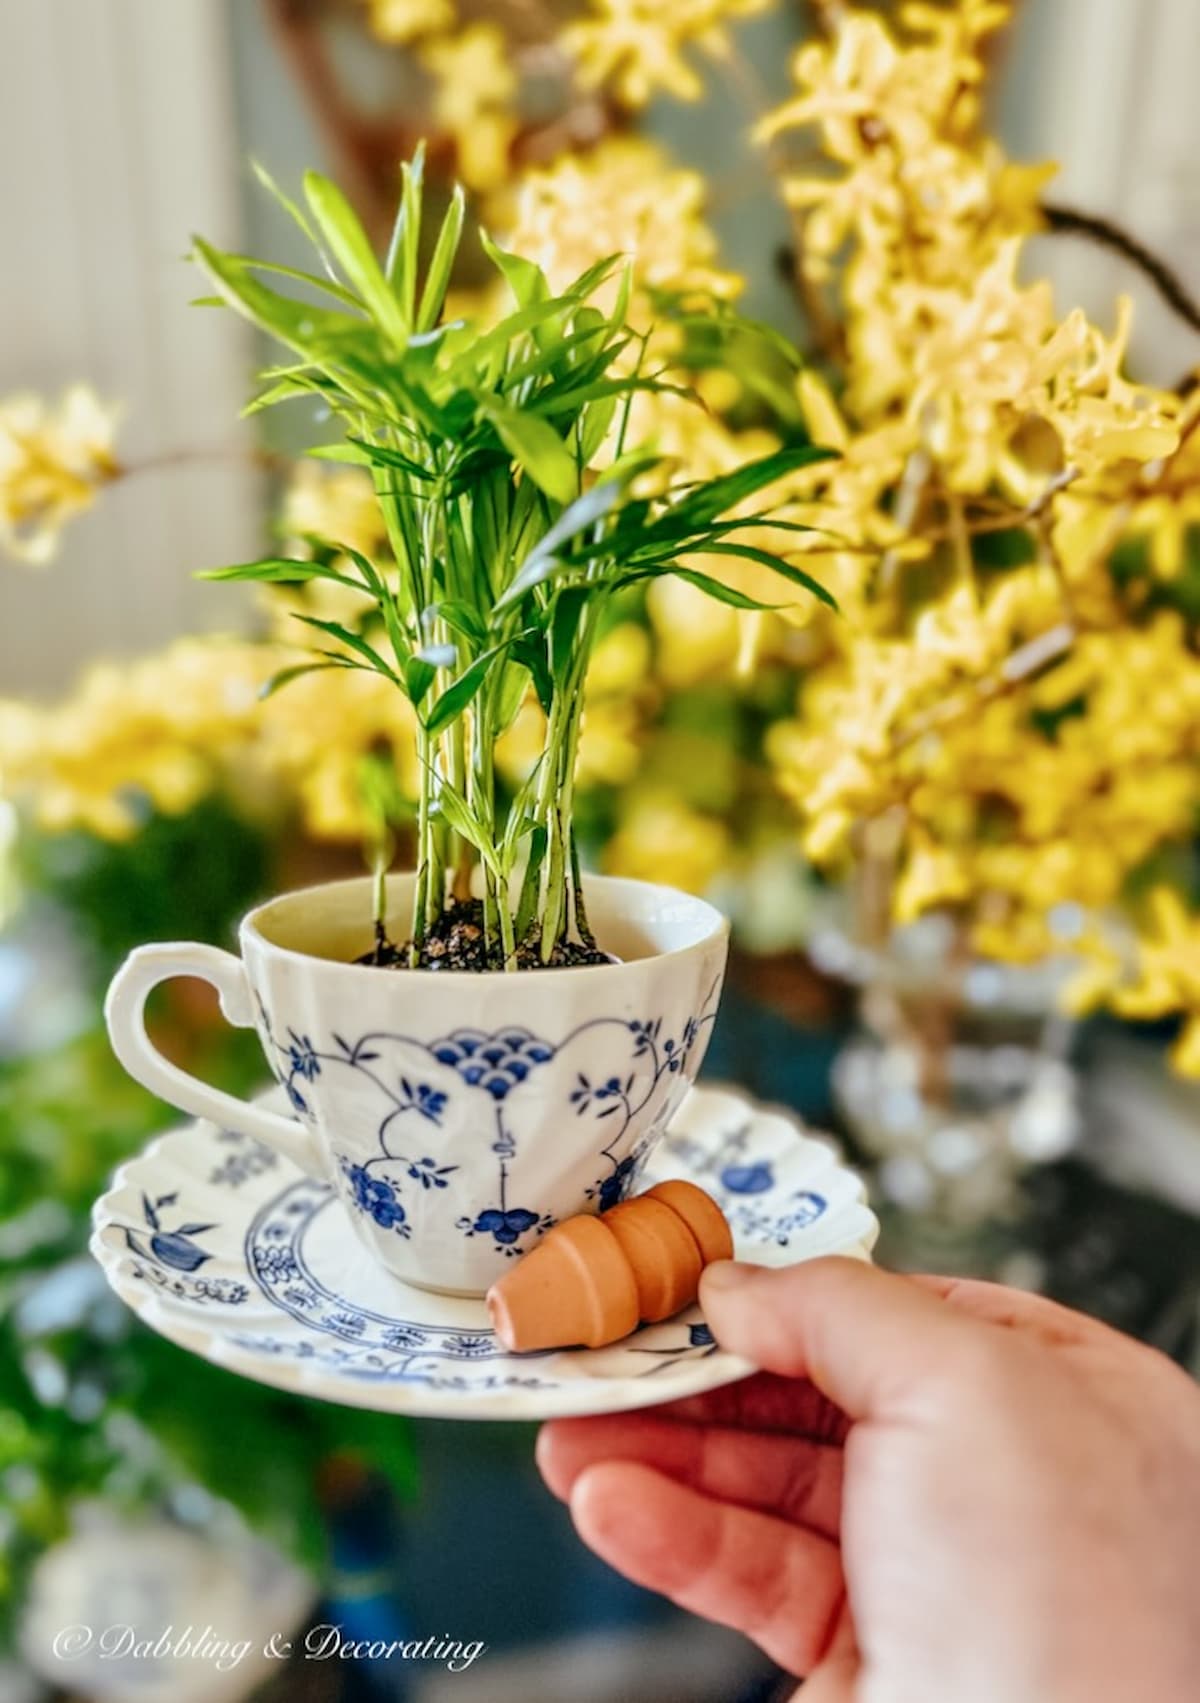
pixel 764 1402
pixel 867 1339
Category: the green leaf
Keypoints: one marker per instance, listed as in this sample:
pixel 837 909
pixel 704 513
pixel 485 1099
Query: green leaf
pixel 328 286
pixel 595 275
pixel 514 685
pixel 527 908
pixel 286 675
pixel 280 570
pixel 716 589
pixel 454 808
pixel 461 618
pixel 526 281
pixel 400 267
pixel 349 452
pixel 531 653
pixel 541 561
pixel 787 570
pixel 594 423
pixel 290 207
pixel 569 605
pixel 287 390
pixel 311 331
pixel 706 501
pixel 354 642
pixel 437 279
pixel 419 676
pixel 354 254
pixel 382 455
pixel 556 400
pixel 536 447
pixel 461 692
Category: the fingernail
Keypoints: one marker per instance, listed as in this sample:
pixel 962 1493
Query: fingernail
pixel 725 1274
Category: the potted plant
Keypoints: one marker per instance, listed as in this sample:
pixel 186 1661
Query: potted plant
pixel 517 510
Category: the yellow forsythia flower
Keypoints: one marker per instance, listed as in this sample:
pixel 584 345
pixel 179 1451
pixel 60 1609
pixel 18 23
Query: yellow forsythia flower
pixel 475 85
pixel 52 462
pixel 638 46
pixel 402 21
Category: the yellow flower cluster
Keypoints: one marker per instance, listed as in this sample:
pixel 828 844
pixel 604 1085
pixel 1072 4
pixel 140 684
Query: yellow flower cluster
pixel 52 463
pixel 165 731
pixel 403 21
pixel 639 47
pixel 474 83
pixel 158 730
pixel 1029 718
pixel 624 196
pixel 1168 974
pixel 475 86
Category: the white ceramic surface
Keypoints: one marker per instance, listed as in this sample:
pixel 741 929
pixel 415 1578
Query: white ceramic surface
pixel 458 1115
pixel 225 1247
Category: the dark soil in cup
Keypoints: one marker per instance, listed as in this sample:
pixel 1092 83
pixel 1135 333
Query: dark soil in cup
pixel 459 943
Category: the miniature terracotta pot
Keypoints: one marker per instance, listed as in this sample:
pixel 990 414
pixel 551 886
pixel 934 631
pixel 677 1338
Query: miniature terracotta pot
pixel 591 1279
pixel 574 1286
pixel 702 1216
pixel 662 1254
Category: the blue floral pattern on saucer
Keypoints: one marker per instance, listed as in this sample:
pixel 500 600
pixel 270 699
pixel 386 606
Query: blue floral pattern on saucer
pixel 255 1265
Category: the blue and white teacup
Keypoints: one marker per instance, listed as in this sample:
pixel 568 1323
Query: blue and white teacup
pixel 458 1115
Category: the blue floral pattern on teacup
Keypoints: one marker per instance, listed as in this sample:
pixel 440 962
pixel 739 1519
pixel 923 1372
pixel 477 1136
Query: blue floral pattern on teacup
pixel 637 1057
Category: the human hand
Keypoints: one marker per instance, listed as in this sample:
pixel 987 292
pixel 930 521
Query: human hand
pixel 934 1490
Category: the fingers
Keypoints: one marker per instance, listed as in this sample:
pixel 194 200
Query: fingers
pixel 868 1340
pixel 836 1680
pixel 786 1476
pixel 779 1584
pixel 765 1403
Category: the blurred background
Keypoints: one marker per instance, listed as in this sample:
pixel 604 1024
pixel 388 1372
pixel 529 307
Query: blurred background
pixel 995 1015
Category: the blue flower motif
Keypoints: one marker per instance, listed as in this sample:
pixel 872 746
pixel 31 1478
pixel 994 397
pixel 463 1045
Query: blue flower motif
pixel 430 1102
pixel 614 1189
pixel 173 1248
pixel 295 1096
pixel 586 1093
pixel 470 1347
pixel 376 1197
pixel 699 1336
pixel 748 1179
pixel 302 1057
pixel 505 1227
pixel 403 1336
pixel 429 1173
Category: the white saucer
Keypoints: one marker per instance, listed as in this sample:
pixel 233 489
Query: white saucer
pixel 224 1247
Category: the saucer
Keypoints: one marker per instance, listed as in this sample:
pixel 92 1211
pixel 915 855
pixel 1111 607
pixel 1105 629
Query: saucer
pixel 223 1246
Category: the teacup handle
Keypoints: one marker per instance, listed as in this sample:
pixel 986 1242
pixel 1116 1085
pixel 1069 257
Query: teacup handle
pixel 125 1014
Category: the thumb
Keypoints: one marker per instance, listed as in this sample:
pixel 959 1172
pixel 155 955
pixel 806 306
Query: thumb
pixel 864 1337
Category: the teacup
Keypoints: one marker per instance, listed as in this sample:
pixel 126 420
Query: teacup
pixel 457 1115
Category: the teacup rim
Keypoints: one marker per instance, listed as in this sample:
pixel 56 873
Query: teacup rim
pixel 717 932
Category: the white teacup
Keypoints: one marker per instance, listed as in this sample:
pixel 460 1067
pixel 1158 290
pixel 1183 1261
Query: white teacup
pixel 458 1115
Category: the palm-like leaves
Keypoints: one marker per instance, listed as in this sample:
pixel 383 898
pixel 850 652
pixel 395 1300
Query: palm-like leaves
pixel 510 528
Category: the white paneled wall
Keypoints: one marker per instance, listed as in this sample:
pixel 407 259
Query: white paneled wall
pixel 117 141
pixel 1109 89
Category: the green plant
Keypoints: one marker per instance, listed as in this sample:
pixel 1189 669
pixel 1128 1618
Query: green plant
pixel 516 509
